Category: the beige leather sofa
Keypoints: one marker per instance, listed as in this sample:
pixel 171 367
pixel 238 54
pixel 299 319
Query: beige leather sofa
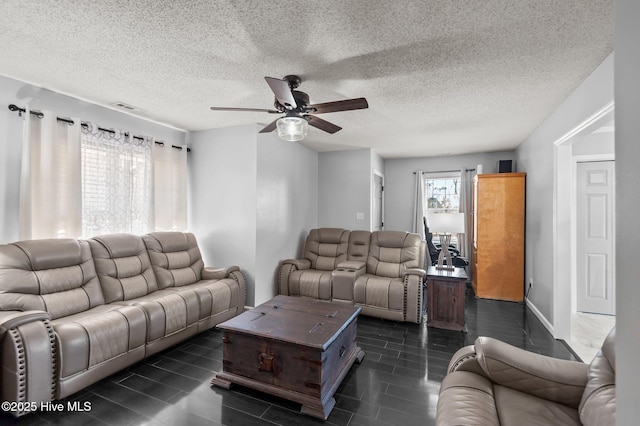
pixel 75 311
pixel 382 271
pixel 493 383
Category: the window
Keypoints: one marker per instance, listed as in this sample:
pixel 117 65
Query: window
pixel 442 192
pixel 116 182
pixel 442 195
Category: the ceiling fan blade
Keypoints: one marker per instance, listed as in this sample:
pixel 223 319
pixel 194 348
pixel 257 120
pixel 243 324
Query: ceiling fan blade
pixel 346 105
pixel 281 89
pixel 269 127
pixel 270 111
pixel 322 124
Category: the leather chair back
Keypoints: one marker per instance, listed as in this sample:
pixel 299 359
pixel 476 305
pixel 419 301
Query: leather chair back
pixel 53 275
pixel 175 257
pixel 598 404
pixel 326 248
pixel 123 266
pixel 359 242
pixel 391 253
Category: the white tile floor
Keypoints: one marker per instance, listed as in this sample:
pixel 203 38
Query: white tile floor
pixel 588 332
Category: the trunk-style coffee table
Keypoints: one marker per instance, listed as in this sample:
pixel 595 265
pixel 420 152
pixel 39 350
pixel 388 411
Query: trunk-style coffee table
pixel 293 347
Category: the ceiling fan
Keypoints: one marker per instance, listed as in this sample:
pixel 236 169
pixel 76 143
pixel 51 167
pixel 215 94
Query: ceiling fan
pixel 298 113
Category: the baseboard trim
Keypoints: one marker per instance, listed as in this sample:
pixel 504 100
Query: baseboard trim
pixel 541 317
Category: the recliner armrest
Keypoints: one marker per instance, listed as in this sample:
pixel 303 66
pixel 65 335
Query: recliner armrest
pixel 298 263
pixel 209 273
pixel 28 364
pixel 550 378
pixel 14 319
pixel 416 271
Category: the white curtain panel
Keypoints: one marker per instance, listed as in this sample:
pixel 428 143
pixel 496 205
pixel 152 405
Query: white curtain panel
pixel 50 186
pixel 170 187
pixel 466 189
pixel 418 205
pixel 116 182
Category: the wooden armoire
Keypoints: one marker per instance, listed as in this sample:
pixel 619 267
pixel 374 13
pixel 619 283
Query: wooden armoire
pixel 498 236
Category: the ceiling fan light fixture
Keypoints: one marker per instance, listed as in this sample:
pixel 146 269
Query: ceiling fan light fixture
pixel 292 129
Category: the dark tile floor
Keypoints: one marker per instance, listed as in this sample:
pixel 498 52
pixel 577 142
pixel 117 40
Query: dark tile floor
pixel 396 384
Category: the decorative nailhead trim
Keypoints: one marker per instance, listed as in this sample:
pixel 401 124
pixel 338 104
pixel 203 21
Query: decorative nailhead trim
pixel 460 361
pixel 54 357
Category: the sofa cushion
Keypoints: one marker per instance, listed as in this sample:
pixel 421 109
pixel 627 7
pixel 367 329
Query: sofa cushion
pixel 123 266
pixel 380 292
pixel 359 242
pixel 95 336
pixel 391 253
pixel 53 275
pixel 310 282
pixel 326 247
pixel 175 257
pixel 515 407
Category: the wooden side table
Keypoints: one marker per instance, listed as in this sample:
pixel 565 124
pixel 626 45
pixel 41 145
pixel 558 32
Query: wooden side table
pixel 445 298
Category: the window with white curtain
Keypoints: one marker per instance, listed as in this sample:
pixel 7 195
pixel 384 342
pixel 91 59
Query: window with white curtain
pixel 79 180
pixel 116 182
pixel 442 192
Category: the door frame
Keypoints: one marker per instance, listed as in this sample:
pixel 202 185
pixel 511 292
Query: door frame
pixel 564 199
pixel 375 173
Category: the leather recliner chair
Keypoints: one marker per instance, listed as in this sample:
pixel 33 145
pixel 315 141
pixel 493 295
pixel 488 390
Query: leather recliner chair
pixel 494 383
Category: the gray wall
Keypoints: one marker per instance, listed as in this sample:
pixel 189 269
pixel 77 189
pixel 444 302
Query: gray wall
pixel 400 181
pixel 344 189
pixel 21 94
pixel 627 95
pixel 535 156
pixel 253 199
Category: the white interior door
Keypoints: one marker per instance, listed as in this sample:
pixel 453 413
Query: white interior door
pixel 378 187
pixel 595 278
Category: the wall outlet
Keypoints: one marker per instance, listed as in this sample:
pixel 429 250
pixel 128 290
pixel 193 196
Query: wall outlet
pixel 359 216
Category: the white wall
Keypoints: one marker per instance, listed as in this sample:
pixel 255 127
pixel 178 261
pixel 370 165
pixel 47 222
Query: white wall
pixel 400 181
pixel 21 94
pixel 222 197
pixel 535 156
pixel 253 200
pixel 287 207
pixel 344 189
pixel 627 95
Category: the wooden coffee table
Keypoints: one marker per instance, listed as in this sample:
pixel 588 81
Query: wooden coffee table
pixel 296 348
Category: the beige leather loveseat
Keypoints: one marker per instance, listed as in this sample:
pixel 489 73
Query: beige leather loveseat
pixel 493 383
pixel 75 311
pixel 382 272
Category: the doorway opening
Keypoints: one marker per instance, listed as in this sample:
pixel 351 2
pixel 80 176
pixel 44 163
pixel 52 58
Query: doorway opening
pixel 584 279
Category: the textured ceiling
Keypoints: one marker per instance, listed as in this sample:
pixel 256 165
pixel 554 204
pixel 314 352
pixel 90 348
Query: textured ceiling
pixel 441 77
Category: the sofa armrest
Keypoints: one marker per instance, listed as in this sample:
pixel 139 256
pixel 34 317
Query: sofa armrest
pixel 28 361
pixel 218 273
pixel 286 268
pixel 299 264
pixel 466 399
pixel 550 378
pixel 465 359
pixel 414 297
pixel 344 278
pixel 416 271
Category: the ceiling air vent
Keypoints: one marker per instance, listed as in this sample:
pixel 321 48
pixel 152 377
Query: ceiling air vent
pixel 126 107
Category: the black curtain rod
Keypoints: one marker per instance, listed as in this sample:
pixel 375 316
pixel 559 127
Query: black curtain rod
pixel 448 171
pixel 40 114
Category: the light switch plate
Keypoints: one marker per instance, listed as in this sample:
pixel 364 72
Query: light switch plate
pixel 359 216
